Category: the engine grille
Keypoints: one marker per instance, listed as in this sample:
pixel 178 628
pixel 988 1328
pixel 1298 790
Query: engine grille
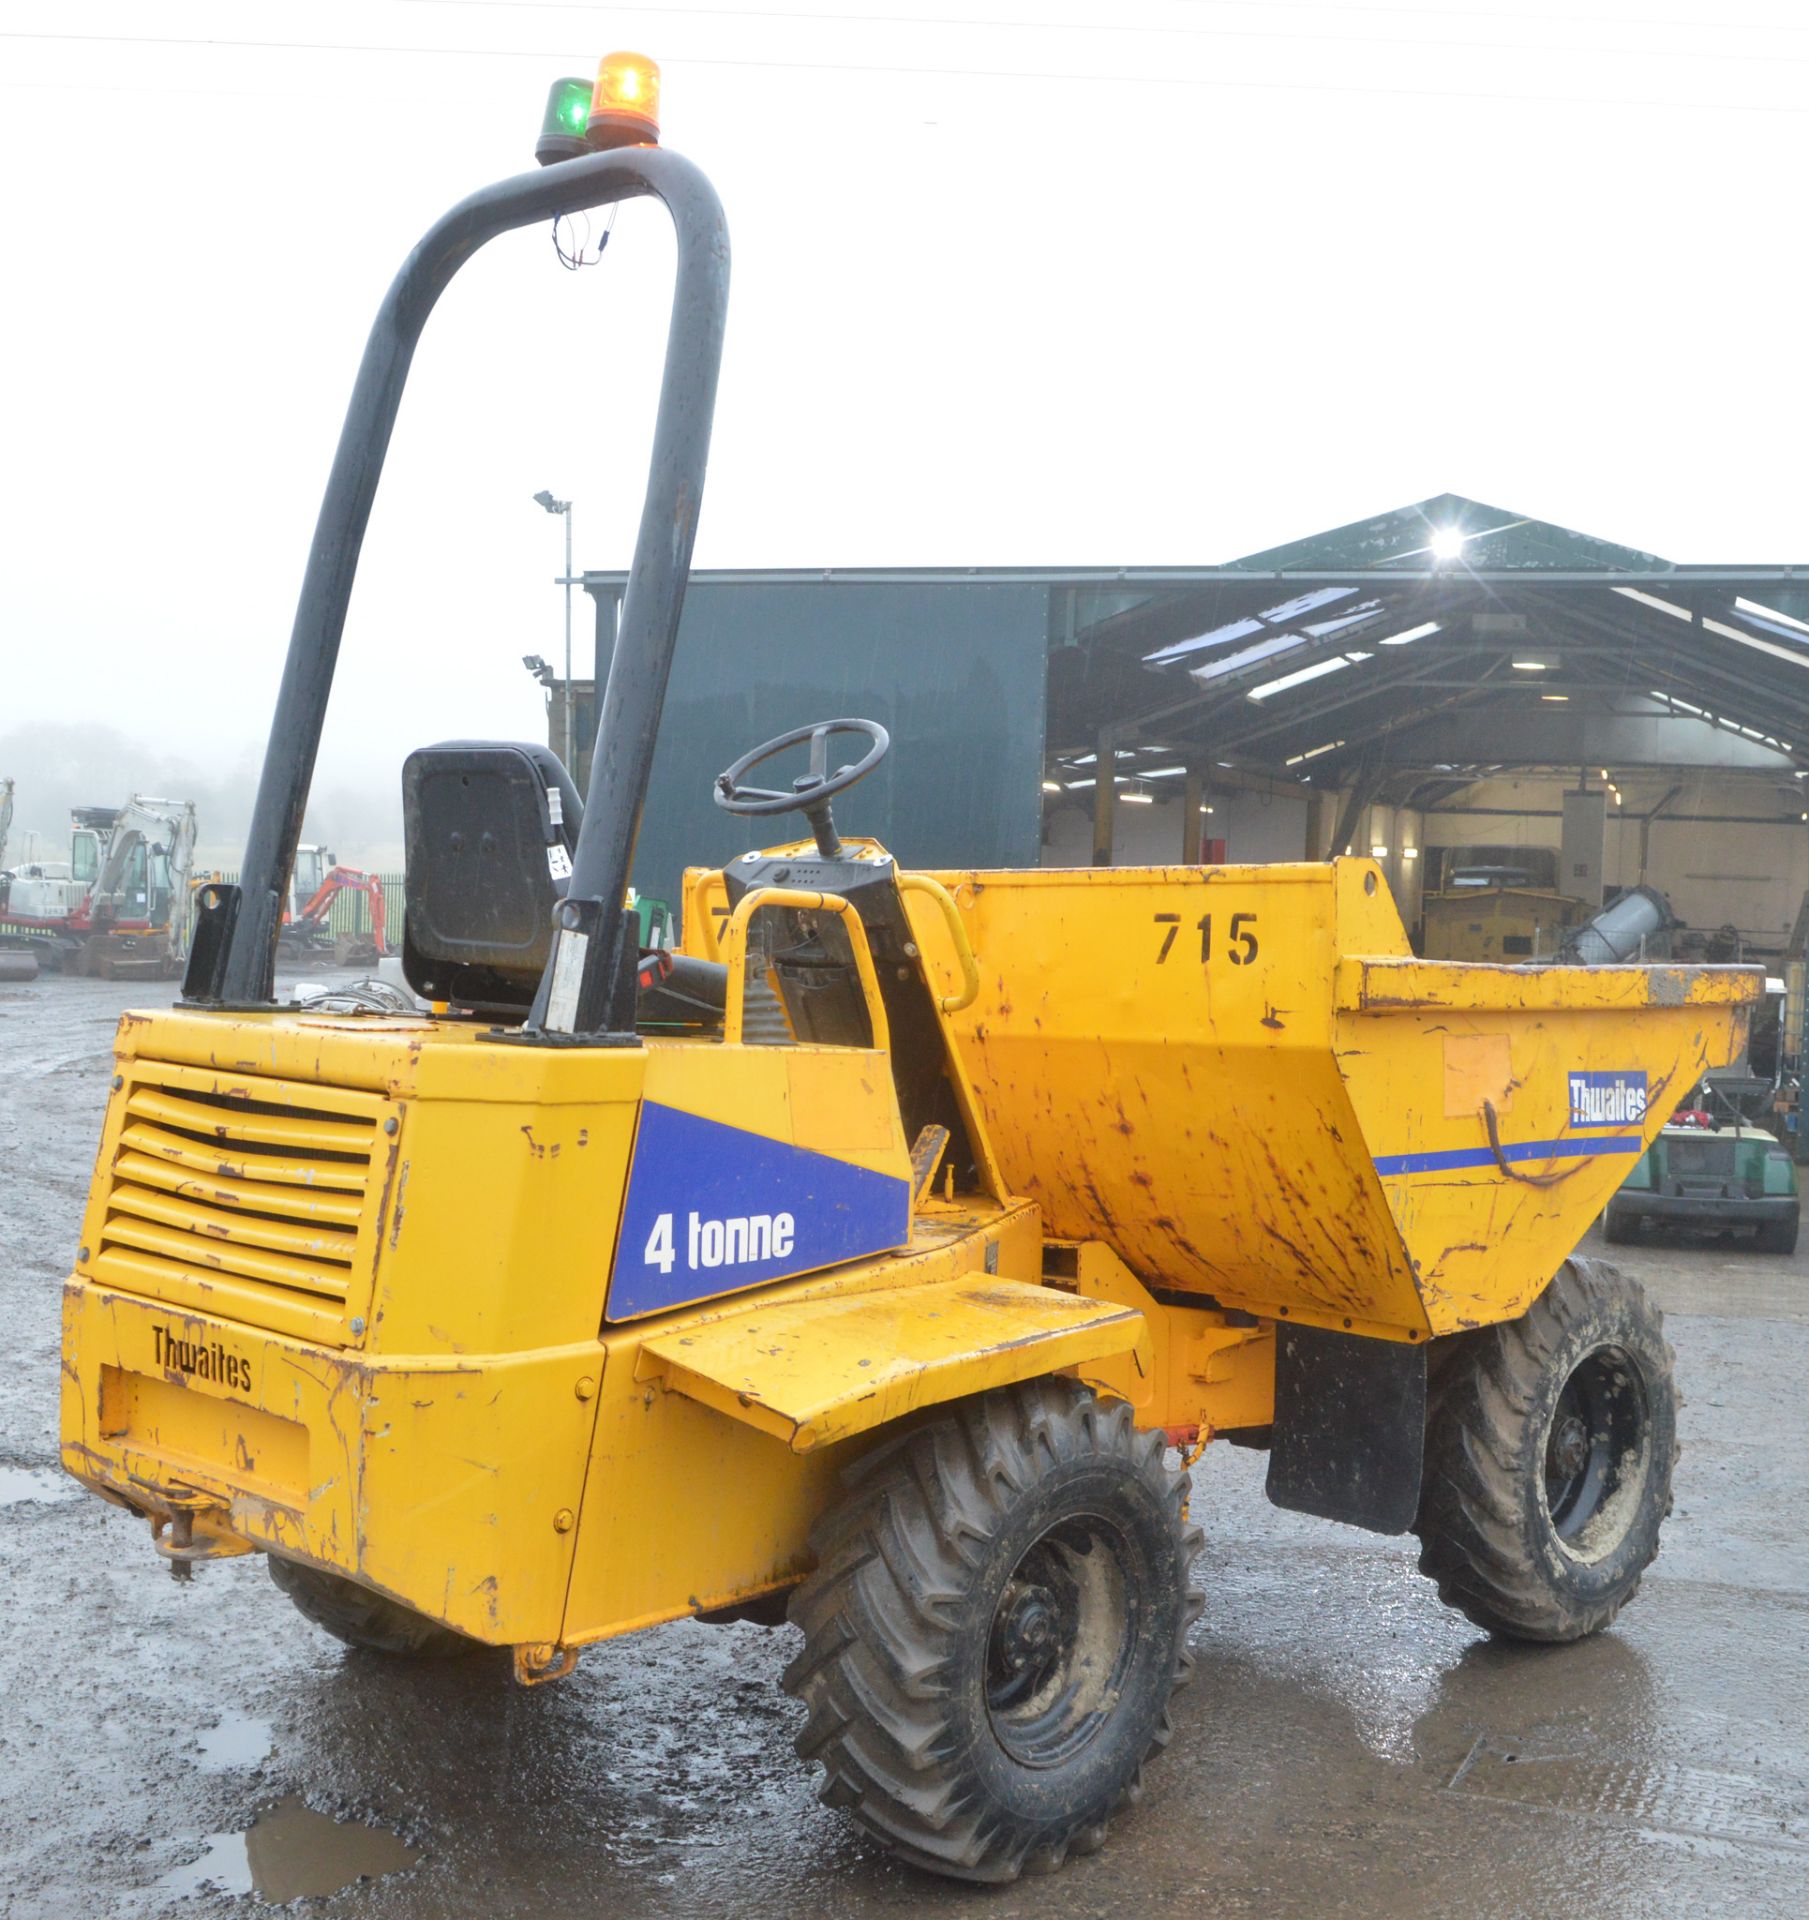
pixel 1704 1159
pixel 244 1197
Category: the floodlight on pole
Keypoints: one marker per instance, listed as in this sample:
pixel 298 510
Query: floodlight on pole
pixel 564 508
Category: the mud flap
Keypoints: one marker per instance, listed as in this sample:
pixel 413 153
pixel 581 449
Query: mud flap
pixel 1350 1427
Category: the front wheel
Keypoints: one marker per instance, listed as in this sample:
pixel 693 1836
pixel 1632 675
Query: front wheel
pixel 997 1622
pixel 1550 1442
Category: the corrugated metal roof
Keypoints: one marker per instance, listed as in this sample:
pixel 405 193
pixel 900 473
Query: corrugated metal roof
pixel 1394 636
pixel 1446 527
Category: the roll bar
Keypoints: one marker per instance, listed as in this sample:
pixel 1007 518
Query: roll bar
pixel 232 963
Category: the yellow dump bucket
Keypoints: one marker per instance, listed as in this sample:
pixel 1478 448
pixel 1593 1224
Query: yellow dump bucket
pixel 1242 1080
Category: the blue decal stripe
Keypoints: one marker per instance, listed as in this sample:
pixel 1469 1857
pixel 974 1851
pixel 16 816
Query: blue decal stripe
pixel 1571 1149
pixel 714 1209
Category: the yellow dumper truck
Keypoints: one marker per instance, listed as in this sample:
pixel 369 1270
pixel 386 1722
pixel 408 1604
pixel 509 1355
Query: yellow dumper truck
pixel 880 1258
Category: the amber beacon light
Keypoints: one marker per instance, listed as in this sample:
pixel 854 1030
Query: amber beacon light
pixel 625 104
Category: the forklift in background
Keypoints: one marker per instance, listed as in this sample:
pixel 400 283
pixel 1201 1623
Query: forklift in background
pixel 582 1305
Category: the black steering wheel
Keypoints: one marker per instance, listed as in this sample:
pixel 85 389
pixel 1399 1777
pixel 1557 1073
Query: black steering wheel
pixel 811 792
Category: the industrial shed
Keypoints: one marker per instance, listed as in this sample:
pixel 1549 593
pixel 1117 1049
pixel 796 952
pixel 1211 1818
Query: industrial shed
pixel 1445 676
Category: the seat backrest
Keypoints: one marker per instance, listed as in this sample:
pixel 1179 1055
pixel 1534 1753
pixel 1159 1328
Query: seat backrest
pixel 489 827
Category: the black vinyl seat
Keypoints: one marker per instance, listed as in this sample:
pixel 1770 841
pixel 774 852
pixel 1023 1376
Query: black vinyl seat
pixel 489 827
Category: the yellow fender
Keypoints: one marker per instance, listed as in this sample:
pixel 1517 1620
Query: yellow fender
pixel 820 1369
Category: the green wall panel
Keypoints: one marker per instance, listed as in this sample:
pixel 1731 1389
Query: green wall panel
pixel 955 671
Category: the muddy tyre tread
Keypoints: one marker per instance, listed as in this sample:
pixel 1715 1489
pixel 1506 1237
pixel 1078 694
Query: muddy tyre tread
pixel 894 1558
pixel 1617 1229
pixel 1480 1542
pixel 364 1619
pixel 1777 1236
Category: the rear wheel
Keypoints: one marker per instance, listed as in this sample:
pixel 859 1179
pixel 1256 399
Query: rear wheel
pixel 1619 1229
pixel 1778 1236
pixel 997 1622
pixel 364 1619
pixel 1549 1448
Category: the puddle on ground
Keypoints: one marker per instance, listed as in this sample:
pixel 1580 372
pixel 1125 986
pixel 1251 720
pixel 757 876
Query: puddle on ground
pixel 1657 1796
pixel 237 1741
pixel 289 1853
pixel 20 1486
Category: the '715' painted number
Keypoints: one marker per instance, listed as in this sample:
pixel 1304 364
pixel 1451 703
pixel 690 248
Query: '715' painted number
pixel 1240 946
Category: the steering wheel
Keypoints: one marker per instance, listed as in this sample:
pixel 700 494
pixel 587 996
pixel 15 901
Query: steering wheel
pixel 811 792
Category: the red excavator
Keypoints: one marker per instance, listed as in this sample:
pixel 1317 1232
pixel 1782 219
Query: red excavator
pixel 315 884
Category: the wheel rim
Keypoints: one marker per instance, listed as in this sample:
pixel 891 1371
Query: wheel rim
pixel 1063 1634
pixel 1595 1452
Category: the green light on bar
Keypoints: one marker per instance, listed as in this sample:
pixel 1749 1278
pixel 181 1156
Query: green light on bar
pixel 562 126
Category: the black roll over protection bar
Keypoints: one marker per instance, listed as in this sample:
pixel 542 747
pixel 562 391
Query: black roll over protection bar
pixel 232 962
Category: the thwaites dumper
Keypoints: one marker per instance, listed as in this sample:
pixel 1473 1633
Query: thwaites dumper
pixel 867 1261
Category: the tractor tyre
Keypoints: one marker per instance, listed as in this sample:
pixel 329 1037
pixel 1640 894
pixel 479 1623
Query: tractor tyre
pixel 1550 1442
pixel 364 1619
pixel 1777 1236
pixel 1617 1228
pixel 995 1628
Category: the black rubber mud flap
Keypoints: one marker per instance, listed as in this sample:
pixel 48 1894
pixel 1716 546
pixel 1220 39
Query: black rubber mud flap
pixel 1350 1427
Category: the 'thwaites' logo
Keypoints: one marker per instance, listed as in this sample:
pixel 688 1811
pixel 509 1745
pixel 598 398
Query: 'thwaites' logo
pixel 202 1360
pixel 1607 1099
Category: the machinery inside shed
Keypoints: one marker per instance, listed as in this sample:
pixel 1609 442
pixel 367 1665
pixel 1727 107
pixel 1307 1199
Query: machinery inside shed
pixel 1518 721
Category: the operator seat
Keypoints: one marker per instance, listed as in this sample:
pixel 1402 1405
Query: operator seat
pixel 489 827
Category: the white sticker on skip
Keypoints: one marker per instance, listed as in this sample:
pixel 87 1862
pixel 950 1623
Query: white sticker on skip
pixel 1607 1099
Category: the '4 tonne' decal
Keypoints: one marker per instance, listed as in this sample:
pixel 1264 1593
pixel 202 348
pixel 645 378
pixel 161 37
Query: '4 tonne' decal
pixel 712 1209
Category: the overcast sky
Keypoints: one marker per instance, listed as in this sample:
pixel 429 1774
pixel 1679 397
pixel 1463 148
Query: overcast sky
pixel 1016 282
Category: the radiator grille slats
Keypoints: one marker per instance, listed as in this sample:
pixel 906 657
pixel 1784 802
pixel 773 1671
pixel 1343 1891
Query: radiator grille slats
pixel 235 1231
pixel 220 1156
pixel 278 1310
pixel 188 1249
pixel 295 1132
pixel 293 1203
pixel 247 1195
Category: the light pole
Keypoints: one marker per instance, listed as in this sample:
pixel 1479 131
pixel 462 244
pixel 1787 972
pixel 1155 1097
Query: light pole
pixel 564 507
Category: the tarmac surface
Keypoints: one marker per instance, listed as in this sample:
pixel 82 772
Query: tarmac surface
pixel 1348 1747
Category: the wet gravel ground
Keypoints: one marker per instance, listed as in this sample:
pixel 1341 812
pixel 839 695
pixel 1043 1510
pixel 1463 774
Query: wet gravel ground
pixel 1347 1748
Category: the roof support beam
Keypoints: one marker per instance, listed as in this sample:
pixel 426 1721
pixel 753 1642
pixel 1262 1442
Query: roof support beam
pixel 1701 662
pixel 1362 793
pixel 1105 795
pixel 1193 802
pixel 1645 828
